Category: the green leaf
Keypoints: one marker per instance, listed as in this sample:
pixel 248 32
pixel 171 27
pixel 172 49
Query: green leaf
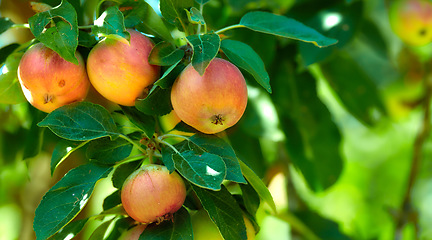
pixel 110 22
pixel 167 158
pixel 323 228
pixel 5 24
pixel 165 54
pixel 10 88
pixel 170 75
pixel 251 198
pixel 63 36
pixel 205 170
pixel 140 14
pixel 359 95
pixel 35 135
pixel 80 121
pixel 110 152
pixel 158 102
pixel 223 211
pixel 350 17
pixel 183 127
pixel 282 26
pixel 145 122
pixel 179 228
pixel 123 171
pixel 112 200
pixel 6 51
pixel 314 139
pixel 205 48
pixel 173 11
pixel 121 225
pixel 66 199
pixel 217 146
pixel 258 185
pixel 195 17
pixel 100 231
pixel 62 150
pixel 245 57
pixel 86 39
pixel 72 229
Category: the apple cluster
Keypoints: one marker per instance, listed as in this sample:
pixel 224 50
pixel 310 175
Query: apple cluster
pixel 120 71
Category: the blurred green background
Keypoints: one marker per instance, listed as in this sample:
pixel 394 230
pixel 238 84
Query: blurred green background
pixel 359 101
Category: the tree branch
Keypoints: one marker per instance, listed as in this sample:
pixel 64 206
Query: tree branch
pixel 408 214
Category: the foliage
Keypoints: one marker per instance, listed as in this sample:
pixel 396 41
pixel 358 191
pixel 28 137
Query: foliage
pixel 321 76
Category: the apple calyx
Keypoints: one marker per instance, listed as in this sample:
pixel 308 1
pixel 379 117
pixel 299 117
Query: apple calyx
pixel 218 119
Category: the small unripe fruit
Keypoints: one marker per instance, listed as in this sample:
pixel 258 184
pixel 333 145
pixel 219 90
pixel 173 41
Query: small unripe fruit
pixel 411 20
pixel 48 81
pixel 120 71
pixel 205 229
pixel 152 194
pixel 213 102
pixel 133 233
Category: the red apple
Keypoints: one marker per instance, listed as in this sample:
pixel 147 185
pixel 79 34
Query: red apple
pixel 213 102
pixel 48 81
pixel 152 194
pixel 120 71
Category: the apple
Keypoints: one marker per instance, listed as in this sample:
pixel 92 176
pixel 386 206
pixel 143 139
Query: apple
pixel 152 194
pixel 411 20
pixel 48 81
pixel 213 102
pixel 205 229
pixel 120 71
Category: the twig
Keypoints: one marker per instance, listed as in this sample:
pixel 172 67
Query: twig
pixel 408 214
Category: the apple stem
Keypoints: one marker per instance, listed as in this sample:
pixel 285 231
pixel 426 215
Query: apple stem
pixel 150 154
pixel 169 145
pixel 229 28
pixel 133 143
pixel 130 159
pixel 85 27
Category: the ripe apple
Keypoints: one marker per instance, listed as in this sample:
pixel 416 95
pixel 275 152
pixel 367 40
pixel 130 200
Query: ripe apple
pixel 120 71
pixel 133 233
pixel 152 194
pixel 213 102
pixel 48 81
pixel 205 229
pixel 411 20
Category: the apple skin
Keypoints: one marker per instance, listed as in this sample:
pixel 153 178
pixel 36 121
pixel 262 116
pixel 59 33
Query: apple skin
pixel 133 233
pixel 120 72
pixel 213 102
pixel 205 229
pixel 411 20
pixel 48 81
pixel 152 194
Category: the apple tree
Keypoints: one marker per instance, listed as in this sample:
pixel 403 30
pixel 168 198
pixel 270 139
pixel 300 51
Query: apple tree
pixel 218 119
